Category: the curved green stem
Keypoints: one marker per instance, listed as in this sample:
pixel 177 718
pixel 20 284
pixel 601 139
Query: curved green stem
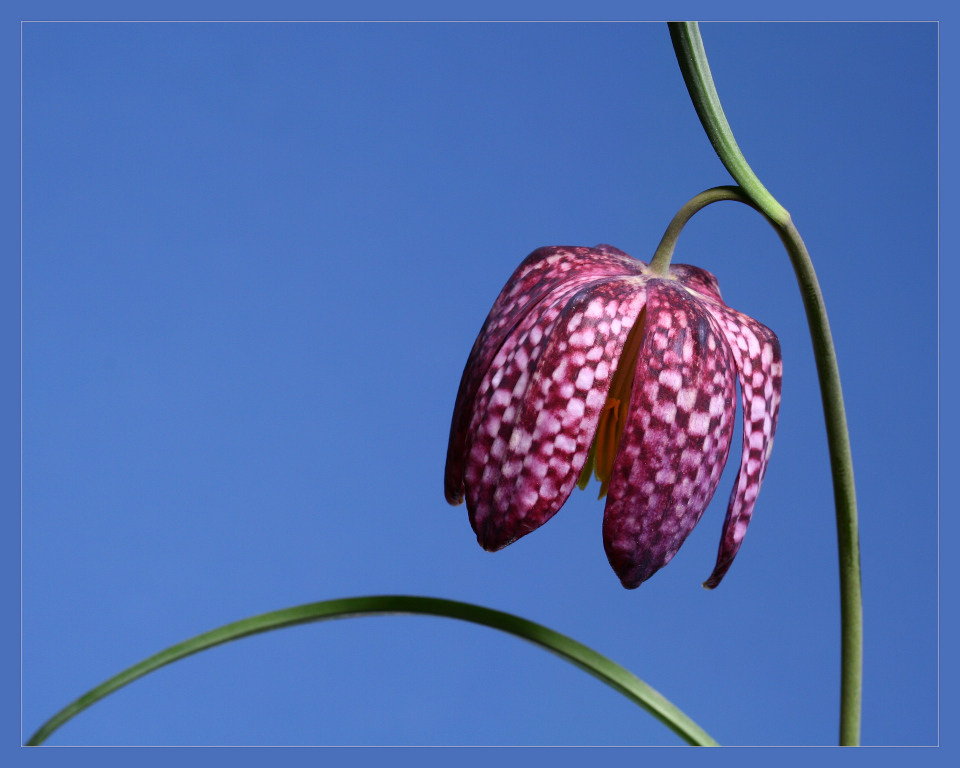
pixel 660 263
pixel 696 73
pixel 576 653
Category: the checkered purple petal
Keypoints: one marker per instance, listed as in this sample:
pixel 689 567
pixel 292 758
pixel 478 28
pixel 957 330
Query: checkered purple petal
pixel 697 279
pixel 540 275
pixel 538 411
pixel 677 438
pixel 756 351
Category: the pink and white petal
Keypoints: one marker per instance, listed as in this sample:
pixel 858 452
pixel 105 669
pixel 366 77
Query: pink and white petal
pixel 540 450
pixel 697 279
pixel 629 261
pixel 676 439
pixel 543 273
pixel 498 402
pixel 495 404
pixel 756 351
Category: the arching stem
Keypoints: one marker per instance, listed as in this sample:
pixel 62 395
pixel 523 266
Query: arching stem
pixel 660 263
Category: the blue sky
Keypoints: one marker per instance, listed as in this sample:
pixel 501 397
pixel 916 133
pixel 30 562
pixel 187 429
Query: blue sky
pixel 255 258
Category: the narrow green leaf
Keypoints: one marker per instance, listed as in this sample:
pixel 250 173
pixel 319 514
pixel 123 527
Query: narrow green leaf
pixel 576 653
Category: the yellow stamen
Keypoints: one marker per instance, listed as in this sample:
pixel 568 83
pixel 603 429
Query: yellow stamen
pixel 613 416
pixel 584 480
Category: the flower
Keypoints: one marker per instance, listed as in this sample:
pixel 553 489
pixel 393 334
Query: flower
pixel 591 363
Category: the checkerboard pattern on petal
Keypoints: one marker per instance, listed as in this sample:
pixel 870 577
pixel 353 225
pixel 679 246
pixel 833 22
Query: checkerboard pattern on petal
pixel 756 351
pixel 544 272
pixel 675 445
pixel 539 376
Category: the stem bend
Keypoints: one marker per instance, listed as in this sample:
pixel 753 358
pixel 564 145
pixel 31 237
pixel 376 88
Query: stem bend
pixel 660 262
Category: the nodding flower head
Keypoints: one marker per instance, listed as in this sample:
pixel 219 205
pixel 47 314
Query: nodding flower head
pixel 591 363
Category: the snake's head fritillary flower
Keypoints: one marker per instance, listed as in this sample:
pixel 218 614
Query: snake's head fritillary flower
pixel 591 363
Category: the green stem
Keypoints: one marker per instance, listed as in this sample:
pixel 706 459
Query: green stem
pixel 844 489
pixel 696 74
pixel 576 653
pixel 660 263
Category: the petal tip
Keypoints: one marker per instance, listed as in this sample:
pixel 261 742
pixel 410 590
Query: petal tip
pixel 631 574
pixel 716 577
pixel 493 541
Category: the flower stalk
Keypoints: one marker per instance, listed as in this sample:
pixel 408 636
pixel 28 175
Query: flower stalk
pixel 692 58
pixel 660 263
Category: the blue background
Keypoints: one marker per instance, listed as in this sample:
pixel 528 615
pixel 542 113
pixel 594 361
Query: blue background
pixel 254 260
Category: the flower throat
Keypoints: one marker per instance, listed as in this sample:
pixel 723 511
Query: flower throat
pixel 613 415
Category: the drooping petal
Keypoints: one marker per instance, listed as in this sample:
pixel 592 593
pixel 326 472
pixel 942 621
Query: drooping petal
pixel 756 351
pixel 540 275
pixel 529 446
pixel 496 405
pixel 677 438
